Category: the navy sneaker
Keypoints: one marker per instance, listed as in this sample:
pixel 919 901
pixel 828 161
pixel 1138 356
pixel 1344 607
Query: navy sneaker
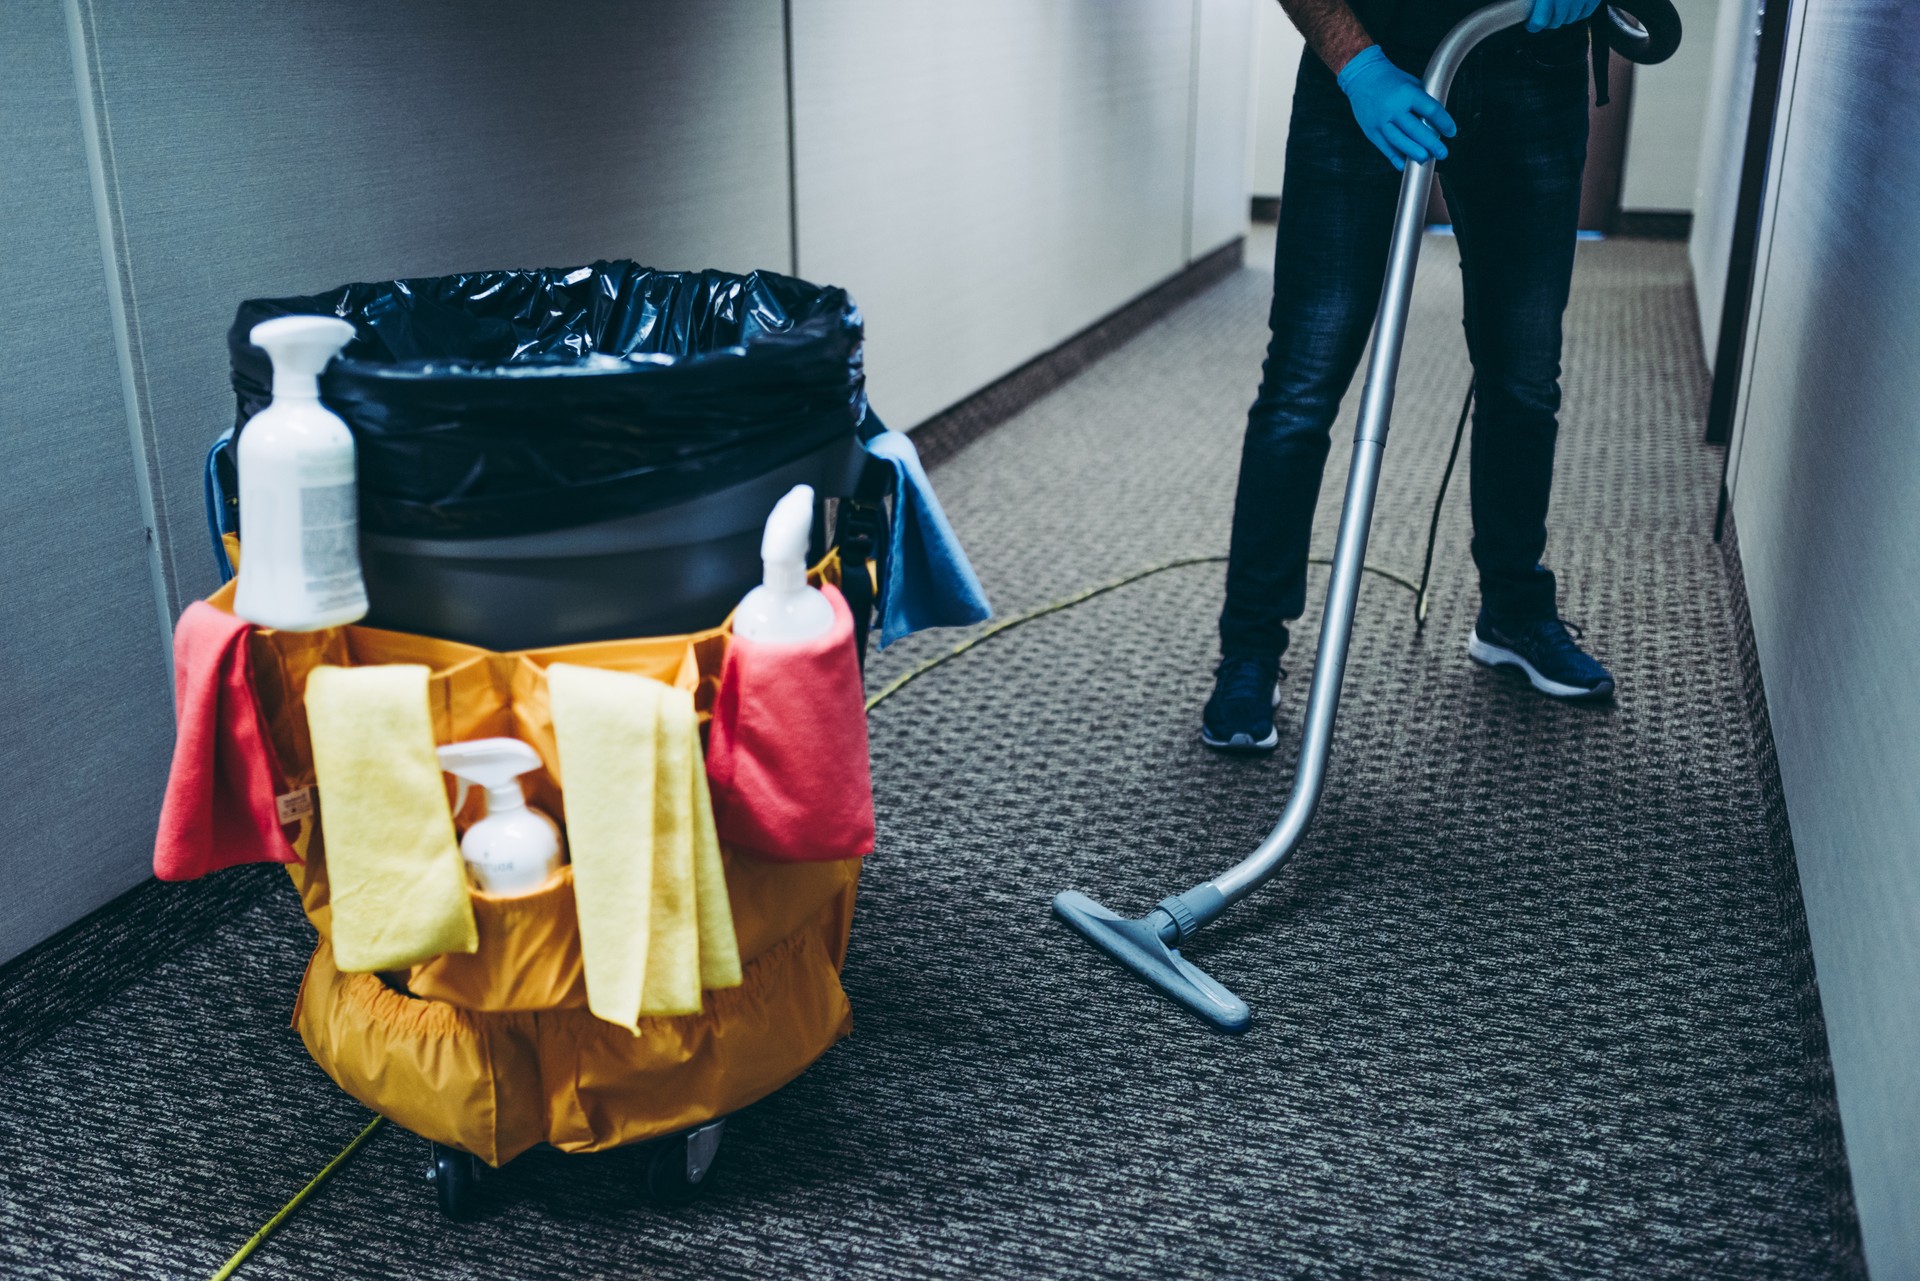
pixel 1239 716
pixel 1546 651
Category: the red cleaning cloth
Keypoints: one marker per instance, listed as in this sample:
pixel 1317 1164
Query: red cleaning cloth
pixel 220 806
pixel 787 755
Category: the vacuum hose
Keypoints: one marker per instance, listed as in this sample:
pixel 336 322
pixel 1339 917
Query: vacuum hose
pixel 1642 31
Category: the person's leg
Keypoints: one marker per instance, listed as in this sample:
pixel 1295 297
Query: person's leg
pixel 1513 187
pixel 1336 215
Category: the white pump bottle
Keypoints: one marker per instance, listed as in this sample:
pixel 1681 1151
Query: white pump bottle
pixel 785 609
pixel 515 848
pixel 299 510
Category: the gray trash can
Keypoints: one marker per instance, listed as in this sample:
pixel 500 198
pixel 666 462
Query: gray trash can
pixel 676 569
pixel 562 455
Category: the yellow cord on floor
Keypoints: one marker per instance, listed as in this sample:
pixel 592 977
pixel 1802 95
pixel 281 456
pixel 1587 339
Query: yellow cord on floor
pixel 1067 602
pixel 892 687
pixel 266 1229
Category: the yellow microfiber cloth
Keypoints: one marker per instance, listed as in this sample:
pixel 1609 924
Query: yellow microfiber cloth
pixel 655 924
pixel 398 886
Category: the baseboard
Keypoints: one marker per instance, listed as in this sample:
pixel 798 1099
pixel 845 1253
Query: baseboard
pixel 60 978
pixel 1647 224
pixel 1780 862
pixel 951 430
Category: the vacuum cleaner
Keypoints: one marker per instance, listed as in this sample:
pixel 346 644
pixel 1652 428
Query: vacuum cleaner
pixel 1643 31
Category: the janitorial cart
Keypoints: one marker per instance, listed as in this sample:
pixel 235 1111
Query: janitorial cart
pixel 558 473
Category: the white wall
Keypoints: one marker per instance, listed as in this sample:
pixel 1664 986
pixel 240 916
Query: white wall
pixel 989 178
pixel 1277 64
pixel 1722 152
pixel 1826 495
pixel 1223 81
pixel 1671 104
pixel 242 150
pixel 164 162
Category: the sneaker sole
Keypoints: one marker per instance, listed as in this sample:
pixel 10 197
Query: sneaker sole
pixel 1244 742
pixel 1499 656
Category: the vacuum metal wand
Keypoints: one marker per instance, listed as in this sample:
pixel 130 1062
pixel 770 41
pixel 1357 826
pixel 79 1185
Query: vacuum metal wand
pixel 1147 945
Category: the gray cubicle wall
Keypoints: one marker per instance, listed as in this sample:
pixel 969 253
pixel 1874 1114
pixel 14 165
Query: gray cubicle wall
pixel 266 149
pixel 286 148
pixel 85 717
pixel 1826 493
pixel 1037 163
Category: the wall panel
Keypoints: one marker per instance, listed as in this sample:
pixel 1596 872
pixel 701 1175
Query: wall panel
pixel 1027 165
pixel 85 716
pixel 1222 101
pixel 988 178
pixel 1670 110
pixel 1827 496
pixel 1722 152
pixel 274 149
pixel 1279 47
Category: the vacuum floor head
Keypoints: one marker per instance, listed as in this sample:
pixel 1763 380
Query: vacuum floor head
pixel 1137 945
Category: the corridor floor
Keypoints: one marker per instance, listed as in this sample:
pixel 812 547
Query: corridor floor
pixel 1534 999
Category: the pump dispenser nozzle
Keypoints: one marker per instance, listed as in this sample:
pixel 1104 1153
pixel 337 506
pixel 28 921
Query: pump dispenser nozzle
pixel 515 848
pixel 784 609
pixel 300 347
pixel 783 548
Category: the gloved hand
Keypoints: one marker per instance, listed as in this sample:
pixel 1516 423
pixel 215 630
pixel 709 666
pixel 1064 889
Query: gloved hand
pixel 1395 113
pixel 1548 14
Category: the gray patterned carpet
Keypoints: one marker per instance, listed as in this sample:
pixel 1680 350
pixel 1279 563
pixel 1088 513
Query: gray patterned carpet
pixel 1535 999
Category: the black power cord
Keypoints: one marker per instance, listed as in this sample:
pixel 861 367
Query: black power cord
pixel 1433 526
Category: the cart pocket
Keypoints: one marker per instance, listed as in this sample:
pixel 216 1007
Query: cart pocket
pixel 528 958
pixel 529 953
pixel 772 901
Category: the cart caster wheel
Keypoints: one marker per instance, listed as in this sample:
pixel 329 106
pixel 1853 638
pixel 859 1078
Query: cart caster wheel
pixel 455 1176
pixel 678 1168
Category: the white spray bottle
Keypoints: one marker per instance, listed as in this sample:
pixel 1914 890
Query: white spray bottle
pixel 515 848
pixel 299 511
pixel 785 609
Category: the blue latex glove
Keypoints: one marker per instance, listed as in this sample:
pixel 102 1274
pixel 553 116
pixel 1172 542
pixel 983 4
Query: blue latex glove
pixel 1548 14
pixel 1395 113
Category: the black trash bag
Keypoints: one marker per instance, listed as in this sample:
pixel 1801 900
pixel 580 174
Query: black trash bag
pixel 513 402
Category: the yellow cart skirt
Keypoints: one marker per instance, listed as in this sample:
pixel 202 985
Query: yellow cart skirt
pixel 495 1051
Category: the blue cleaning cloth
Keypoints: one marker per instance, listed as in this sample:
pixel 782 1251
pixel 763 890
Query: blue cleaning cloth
pixel 926 580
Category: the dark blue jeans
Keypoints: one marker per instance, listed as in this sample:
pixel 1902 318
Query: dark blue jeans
pixel 1512 182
